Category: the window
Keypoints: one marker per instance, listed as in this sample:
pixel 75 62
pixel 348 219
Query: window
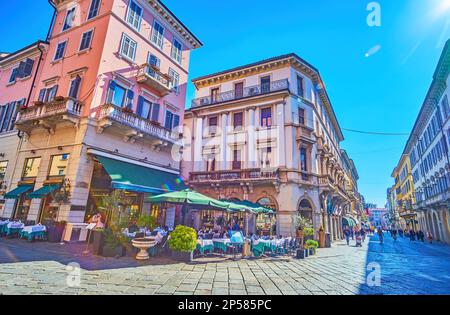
pixel 86 40
pixel 300 87
pixel 128 47
pixel 155 112
pixel 31 167
pixel 265 84
pixel 94 9
pixel 211 163
pixel 47 95
pixel 13 76
pixel 158 35
pixel 266 157
pixel 301 116
pixel 214 95
pixel 445 107
pixel 212 125
pixel 58 165
pixel 303 160
pixel 239 90
pixel 177 50
pixel 134 15
pixel 155 62
pixel 60 51
pixel 237 157
pixel 8 114
pixel 70 17
pixel 25 68
pixel 266 117
pixel 238 121
pixel 144 108
pixel 116 94
pixel 175 80
pixel 172 120
pixel 3 166
pixel 75 87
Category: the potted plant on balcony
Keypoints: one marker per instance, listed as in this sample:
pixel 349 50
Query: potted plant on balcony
pixel 182 242
pixel 38 103
pixel 127 110
pixel 59 98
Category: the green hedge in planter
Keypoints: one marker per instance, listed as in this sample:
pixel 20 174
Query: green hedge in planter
pixel 183 239
pixel 312 244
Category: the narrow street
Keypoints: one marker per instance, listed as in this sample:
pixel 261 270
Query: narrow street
pixel 406 268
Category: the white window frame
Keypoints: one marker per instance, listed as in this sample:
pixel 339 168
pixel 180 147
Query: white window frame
pixel 15 68
pixel 176 88
pixel 153 32
pixel 56 50
pixel 138 28
pixel 90 7
pixel 121 47
pixel 90 43
pixel 65 19
pixel 173 54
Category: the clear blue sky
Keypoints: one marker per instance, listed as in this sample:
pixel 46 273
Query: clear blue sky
pixel 381 93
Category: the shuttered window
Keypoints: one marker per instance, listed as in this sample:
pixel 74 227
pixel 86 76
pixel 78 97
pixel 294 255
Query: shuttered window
pixel 86 40
pixel 94 9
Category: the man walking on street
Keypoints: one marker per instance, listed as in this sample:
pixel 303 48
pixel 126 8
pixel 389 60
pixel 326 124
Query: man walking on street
pixel 347 235
pixel 412 235
pixel 380 234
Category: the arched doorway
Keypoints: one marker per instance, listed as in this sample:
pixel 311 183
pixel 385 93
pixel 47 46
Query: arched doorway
pixel 266 224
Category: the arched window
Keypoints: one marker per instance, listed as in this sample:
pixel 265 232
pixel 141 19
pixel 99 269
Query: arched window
pixel 305 209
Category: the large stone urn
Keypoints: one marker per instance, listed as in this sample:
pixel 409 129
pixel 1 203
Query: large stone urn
pixel 143 244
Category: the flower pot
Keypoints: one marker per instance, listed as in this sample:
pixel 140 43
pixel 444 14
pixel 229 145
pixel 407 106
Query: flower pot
pixel 306 252
pixel 115 252
pixel 300 234
pixel 322 239
pixel 311 252
pixel 59 98
pixel 55 232
pixel 185 257
pixel 300 254
pixel 98 240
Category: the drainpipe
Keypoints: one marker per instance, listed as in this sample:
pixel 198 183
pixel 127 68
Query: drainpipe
pixel 53 20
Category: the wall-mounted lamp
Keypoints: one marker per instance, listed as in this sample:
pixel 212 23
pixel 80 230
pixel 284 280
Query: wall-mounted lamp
pixel 33 152
pixel 60 148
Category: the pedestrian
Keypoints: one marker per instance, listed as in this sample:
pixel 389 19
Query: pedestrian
pixel 347 235
pixel 363 234
pixel 394 234
pixel 358 238
pixel 421 236
pixel 412 235
pixel 380 234
pixel 430 237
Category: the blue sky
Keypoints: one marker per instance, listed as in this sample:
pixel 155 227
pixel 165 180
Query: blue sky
pixel 381 93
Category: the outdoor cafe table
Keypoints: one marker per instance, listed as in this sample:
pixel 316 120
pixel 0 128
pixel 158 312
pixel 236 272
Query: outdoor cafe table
pixel 205 246
pixel 221 244
pixel 33 232
pixel 14 228
pixel 3 227
pixel 261 246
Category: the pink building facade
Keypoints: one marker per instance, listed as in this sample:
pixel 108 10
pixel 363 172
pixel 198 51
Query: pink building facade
pixel 106 110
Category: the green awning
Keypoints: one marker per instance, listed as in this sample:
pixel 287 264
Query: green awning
pixel 132 177
pixel 15 194
pixel 43 192
pixel 348 221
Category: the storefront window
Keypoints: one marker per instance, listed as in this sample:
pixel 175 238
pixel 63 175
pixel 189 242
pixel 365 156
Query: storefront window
pixel 58 166
pixel 266 223
pixel 3 166
pixel 22 210
pixel 31 168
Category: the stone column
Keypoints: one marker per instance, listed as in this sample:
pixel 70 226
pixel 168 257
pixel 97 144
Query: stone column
pixel 281 135
pixel 198 147
pixel 251 138
pixel 223 142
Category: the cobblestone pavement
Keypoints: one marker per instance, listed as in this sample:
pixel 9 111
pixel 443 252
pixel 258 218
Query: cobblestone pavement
pixel 406 268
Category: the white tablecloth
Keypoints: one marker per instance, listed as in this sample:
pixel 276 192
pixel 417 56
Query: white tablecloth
pixel 4 222
pixel 34 229
pixel 222 240
pixel 15 225
pixel 205 242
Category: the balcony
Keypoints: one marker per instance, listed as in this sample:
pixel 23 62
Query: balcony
pixel 252 91
pixel 235 176
pixel 134 127
pixel 47 115
pixel 154 78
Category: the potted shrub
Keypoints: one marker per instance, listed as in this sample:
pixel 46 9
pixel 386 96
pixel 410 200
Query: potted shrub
pixel 59 98
pixel 182 242
pixel 312 246
pixel 55 231
pixel 304 226
pixel 114 244
pixel 38 103
pixel 146 222
pixel 98 241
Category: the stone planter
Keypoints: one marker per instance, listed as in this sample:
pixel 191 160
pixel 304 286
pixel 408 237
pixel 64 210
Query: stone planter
pixel 306 253
pixel 55 232
pixel 115 252
pixel 185 257
pixel 143 244
pixel 322 239
pixel 311 251
pixel 300 254
pixel 98 241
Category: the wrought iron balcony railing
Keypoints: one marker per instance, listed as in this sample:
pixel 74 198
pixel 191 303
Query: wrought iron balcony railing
pixel 247 92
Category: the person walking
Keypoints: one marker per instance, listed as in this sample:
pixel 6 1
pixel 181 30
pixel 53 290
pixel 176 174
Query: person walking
pixel 380 234
pixel 412 235
pixel 430 237
pixel 421 236
pixel 394 235
pixel 347 235
pixel 363 234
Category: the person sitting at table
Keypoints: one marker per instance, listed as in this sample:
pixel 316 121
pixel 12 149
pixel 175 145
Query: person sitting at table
pixel 236 226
